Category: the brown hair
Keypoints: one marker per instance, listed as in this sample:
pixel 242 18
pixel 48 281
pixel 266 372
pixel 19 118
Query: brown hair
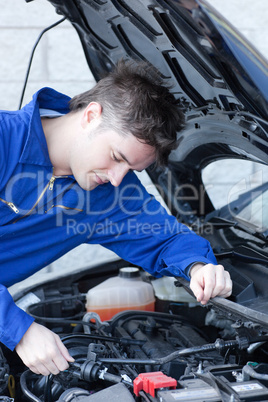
pixel 135 100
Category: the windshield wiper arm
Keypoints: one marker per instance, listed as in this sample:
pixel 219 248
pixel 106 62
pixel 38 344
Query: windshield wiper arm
pixel 218 222
pixel 244 253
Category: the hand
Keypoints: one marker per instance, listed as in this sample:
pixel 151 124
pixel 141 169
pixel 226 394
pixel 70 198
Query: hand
pixel 42 351
pixel 208 281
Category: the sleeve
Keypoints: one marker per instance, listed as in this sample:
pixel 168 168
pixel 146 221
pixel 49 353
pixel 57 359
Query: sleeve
pixel 14 322
pixel 143 233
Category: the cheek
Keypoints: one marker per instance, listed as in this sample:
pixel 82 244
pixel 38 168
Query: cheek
pixel 100 158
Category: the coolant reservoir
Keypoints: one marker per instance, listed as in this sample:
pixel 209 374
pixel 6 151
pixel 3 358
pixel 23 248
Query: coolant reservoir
pixel 127 291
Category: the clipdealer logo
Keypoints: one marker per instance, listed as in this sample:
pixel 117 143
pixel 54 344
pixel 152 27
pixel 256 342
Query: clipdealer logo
pixel 129 226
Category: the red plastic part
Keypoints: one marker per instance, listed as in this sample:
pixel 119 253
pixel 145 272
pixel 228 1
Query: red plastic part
pixel 149 382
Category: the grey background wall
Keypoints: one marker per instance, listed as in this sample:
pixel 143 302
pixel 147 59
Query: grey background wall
pixel 58 60
pixel 59 63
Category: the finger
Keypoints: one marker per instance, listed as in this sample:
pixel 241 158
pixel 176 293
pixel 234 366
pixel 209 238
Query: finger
pixel 229 284
pixel 214 281
pixel 227 291
pixel 197 289
pixel 219 281
pixel 223 283
pixel 45 365
pixel 209 281
pixel 55 366
pixel 203 280
pixel 51 358
pixel 48 365
pixel 64 351
pixel 39 369
pixel 60 362
pixel 207 291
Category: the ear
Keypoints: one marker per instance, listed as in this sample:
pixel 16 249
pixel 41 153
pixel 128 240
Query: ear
pixel 91 112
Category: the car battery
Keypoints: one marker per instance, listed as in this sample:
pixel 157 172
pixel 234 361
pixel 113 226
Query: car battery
pixel 197 390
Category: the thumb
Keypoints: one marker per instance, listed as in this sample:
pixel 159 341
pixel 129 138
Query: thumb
pixel 64 351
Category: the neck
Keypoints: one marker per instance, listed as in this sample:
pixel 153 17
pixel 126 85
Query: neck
pixel 58 132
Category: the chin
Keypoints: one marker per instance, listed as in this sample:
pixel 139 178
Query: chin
pixel 86 184
pixel 89 187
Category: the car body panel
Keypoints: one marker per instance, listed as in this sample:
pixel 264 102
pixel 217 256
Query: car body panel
pixel 202 55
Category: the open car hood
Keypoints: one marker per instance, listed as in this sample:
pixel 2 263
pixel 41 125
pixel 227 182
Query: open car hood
pixel 220 79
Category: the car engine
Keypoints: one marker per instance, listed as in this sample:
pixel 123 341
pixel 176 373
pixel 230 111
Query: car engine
pixel 181 351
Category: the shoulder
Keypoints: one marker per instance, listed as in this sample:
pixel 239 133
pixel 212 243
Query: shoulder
pixel 13 125
pixel 13 135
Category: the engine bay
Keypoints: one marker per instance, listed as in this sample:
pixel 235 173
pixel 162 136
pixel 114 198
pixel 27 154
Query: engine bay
pixel 181 351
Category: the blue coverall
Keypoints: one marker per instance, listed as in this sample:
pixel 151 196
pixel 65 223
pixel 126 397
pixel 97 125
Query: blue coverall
pixel 43 217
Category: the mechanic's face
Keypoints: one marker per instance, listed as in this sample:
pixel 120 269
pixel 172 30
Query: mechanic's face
pixel 99 157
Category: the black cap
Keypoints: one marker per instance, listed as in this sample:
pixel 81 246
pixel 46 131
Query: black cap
pixel 129 272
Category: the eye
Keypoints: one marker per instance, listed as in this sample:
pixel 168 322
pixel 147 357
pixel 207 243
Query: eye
pixel 115 158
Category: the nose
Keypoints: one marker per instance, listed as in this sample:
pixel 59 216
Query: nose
pixel 117 173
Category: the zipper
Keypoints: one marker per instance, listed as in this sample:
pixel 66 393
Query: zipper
pixel 53 179
pixel 63 207
pixel 36 202
pixel 49 186
pixel 51 182
pixel 11 205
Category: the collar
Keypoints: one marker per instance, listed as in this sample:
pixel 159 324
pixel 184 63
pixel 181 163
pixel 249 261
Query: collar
pixel 35 149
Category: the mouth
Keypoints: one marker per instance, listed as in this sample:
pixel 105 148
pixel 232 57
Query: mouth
pixel 99 180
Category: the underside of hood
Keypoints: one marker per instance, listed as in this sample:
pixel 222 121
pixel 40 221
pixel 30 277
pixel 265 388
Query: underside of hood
pixel 220 79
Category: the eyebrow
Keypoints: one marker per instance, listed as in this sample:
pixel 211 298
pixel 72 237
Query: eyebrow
pixel 126 160
pixel 124 157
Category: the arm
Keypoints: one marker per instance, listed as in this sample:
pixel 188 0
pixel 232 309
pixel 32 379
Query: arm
pixel 14 322
pixel 145 234
pixel 39 348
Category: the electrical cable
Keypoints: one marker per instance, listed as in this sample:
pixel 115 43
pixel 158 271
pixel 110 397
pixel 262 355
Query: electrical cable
pixel 62 321
pixel 219 344
pixel 249 371
pixel 72 320
pixel 47 388
pixel 23 383
pixel 122 341
pixel 32 54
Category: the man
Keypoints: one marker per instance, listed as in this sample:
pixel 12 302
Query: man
pixel 69 163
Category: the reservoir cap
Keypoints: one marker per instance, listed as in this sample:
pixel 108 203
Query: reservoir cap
pixel 129 272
